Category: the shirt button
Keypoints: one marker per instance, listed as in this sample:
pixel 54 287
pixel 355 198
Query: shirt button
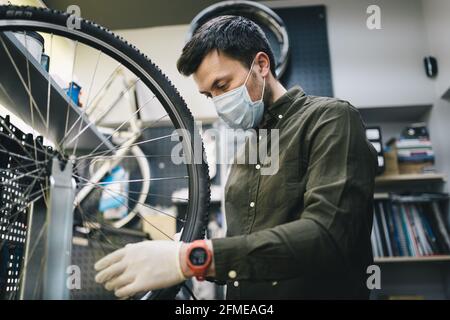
pixel 232 274
pixel 252 204
pixel 258 167
pixel 274 283
pixel 280 116
pixel 236 283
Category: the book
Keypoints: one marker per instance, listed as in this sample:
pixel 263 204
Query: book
pixel 418 251
pixel 429 232
pixel 435 227
pixel 406 229
pixel 415 152
pixel 422 239
pixel 392 230
pixel 374 242
pixel 403 245
pixel 385 229
pixel 413 143
pixel 377 233
pixel 415 158
pixel 441 225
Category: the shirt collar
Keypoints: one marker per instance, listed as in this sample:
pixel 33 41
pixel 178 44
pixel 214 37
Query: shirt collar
pixel 278 108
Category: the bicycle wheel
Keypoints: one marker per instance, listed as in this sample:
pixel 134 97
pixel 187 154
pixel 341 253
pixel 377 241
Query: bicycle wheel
pixel 272 25
pixel 31 166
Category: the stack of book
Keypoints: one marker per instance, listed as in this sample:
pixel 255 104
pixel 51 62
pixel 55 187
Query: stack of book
pixel 414 155
pixel 410 226
pixel 414 150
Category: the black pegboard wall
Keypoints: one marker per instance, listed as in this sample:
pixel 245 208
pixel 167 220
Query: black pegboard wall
pixel 22 165
pixel 309 61
pixel 13 209
pixel 88 249
pixel 12 233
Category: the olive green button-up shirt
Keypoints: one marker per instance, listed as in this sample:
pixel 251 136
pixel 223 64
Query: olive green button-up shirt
pixel 303 232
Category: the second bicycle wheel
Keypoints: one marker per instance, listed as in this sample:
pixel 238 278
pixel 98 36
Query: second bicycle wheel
pixel 119 138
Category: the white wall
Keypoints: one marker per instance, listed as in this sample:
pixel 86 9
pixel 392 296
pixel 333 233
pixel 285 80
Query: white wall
pixel 437 22
pixel 437 19
pixel 375 67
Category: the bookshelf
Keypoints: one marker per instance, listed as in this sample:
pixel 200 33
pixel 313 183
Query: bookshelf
pixel 406 178
pixel 438 258
pixel 409 274
pixel 419 275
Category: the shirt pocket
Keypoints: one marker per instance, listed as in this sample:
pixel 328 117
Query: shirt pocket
pixel 291 188
pixel 282 189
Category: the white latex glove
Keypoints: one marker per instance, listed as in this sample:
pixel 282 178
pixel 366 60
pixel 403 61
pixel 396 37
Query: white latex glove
pixel 139 267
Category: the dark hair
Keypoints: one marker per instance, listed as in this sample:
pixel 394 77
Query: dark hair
pixel 237 37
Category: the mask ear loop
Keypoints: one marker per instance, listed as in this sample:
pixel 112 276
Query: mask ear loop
pixel 264 87
pixel 249 72
pixel 264 79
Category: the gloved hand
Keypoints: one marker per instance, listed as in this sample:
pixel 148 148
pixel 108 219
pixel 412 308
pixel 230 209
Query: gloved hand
pixel 139 267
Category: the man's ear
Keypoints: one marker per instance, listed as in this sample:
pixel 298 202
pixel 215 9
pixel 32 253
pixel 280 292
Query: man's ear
pixel 263 62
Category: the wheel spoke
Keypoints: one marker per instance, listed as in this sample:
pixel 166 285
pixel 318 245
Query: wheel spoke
pixel 121 125
pixel 69 99
pixel 98 186
pixel 49 87
pixel 91 123
pixel 120 147
pixel 88 97
pixel 111 193
pixel 22 80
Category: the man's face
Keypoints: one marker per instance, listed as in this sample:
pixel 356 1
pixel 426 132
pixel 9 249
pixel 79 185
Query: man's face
pixel 219 73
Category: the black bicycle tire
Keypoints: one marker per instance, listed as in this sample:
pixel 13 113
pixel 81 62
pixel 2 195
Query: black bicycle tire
pixel 198 213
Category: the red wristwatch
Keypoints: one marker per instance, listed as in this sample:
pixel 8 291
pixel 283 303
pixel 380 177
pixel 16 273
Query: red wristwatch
pixel 199 258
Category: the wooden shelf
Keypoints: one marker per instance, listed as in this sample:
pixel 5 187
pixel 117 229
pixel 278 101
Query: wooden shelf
pixel 402 178
pixel 381 195
pixel 442 258
pixel 410 113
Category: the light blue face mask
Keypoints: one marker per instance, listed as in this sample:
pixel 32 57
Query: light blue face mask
pixel 237 109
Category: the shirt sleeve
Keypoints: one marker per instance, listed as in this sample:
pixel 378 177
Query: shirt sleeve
pixel 340 178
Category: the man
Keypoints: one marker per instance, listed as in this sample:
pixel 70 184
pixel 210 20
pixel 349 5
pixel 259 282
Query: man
pixel 303 232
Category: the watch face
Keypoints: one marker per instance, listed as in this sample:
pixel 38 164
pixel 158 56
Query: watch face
pixel 198 256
